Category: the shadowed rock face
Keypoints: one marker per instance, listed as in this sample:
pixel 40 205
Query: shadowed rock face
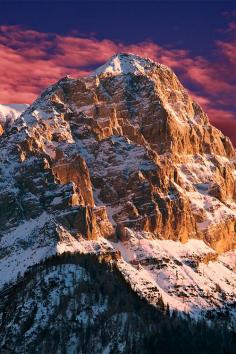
pixel 125 147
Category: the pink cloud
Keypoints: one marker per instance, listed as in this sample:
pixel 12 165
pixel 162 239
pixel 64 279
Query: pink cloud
pixel 225 121
pixel 31 60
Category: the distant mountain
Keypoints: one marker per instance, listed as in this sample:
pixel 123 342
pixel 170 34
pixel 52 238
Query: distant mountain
pixel 9 113
pixel 117 209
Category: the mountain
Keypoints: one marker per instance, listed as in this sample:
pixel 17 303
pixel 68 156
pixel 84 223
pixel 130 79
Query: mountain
pixel 119 172
pixel 8 113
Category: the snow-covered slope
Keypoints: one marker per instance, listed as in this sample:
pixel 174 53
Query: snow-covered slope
pixel 190 277
pixel 125 64
pixel 76 305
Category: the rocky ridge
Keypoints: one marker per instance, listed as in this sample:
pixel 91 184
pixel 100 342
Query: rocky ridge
pixel 98 164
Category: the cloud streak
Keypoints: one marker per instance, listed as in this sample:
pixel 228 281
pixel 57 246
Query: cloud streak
pixel 31 60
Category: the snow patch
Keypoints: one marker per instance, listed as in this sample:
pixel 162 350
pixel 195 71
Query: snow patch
pixel 124 64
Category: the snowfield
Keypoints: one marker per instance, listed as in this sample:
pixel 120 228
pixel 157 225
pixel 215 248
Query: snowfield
pixel 190 277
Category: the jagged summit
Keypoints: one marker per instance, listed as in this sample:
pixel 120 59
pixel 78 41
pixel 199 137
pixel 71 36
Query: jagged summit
pixel 125 63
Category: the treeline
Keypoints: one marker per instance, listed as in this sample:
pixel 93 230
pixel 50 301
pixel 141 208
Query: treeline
pixel 127 325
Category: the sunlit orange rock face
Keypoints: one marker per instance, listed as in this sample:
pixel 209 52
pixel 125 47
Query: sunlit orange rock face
pixel 134 151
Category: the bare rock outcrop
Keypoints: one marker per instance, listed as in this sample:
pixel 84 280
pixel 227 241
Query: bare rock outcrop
pixel 126 147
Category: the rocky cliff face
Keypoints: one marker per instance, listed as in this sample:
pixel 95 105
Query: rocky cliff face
pixel 123 152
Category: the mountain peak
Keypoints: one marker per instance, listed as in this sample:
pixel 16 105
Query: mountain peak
pixel 125 63
pixel 122 168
